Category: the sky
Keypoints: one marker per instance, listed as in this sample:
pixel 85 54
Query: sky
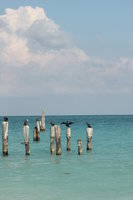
pixel 66 57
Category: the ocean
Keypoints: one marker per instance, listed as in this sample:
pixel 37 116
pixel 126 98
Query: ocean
pixel 105 173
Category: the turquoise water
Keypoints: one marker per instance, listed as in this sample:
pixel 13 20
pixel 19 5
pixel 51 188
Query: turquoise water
pixel 105 173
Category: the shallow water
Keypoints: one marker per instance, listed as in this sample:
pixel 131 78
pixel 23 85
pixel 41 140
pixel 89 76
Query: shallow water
pixel 106 172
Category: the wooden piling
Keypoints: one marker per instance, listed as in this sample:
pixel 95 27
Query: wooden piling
pixel 89 137
pixel 34 134
pixel 58 140
pixel 5 136
pixel 27 149
pixel 68 135
pixel 37 130
pixel 42 125
pixel 26 138
pixel 79 142
pixel 52 136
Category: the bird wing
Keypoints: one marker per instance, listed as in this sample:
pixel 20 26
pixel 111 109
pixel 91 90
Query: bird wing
pixel 71 123
pixel 63 123
pixel 88 125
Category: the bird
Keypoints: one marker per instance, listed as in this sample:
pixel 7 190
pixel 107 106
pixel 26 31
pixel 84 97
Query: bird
pixel 89 126
pixel 52 123
pixel 5 119
pixel 67 123
pixel 26 122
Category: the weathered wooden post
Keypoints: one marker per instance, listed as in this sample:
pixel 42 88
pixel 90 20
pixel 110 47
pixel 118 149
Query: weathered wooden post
pixel 89 132
pixel 79 142
pixel 58 140
pixel 42 125
pixel 68 138
pixel 89 137
pixel 52 136
pixel 5 136
pixel 34 134
pixel 26 137
pixel 37 130
pixel 68 134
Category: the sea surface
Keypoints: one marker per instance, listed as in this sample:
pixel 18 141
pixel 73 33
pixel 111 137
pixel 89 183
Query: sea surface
pixel 105 173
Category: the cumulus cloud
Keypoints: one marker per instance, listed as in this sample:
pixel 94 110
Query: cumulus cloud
pixel 37 57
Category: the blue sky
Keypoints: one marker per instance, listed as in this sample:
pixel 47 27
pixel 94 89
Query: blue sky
pixel 103 28
pixel 87 57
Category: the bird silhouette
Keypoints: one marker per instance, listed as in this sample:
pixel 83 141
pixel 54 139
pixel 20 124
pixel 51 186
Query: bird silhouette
pixel 26 122
pixel 67 123
pixel 5 119
pixel 89 126
pixel 52 123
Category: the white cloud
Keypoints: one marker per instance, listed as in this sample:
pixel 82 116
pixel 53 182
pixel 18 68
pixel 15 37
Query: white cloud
pixel 37 57
pixel 22 18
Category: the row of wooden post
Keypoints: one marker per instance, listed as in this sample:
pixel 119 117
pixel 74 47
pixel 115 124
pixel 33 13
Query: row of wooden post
pixel 55 134
pixel 36 134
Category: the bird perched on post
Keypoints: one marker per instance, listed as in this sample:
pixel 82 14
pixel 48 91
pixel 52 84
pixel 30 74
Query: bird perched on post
pixel 67 123
pixel 26 122
pixel 89 126
pixel 52 123
pixel 5 119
